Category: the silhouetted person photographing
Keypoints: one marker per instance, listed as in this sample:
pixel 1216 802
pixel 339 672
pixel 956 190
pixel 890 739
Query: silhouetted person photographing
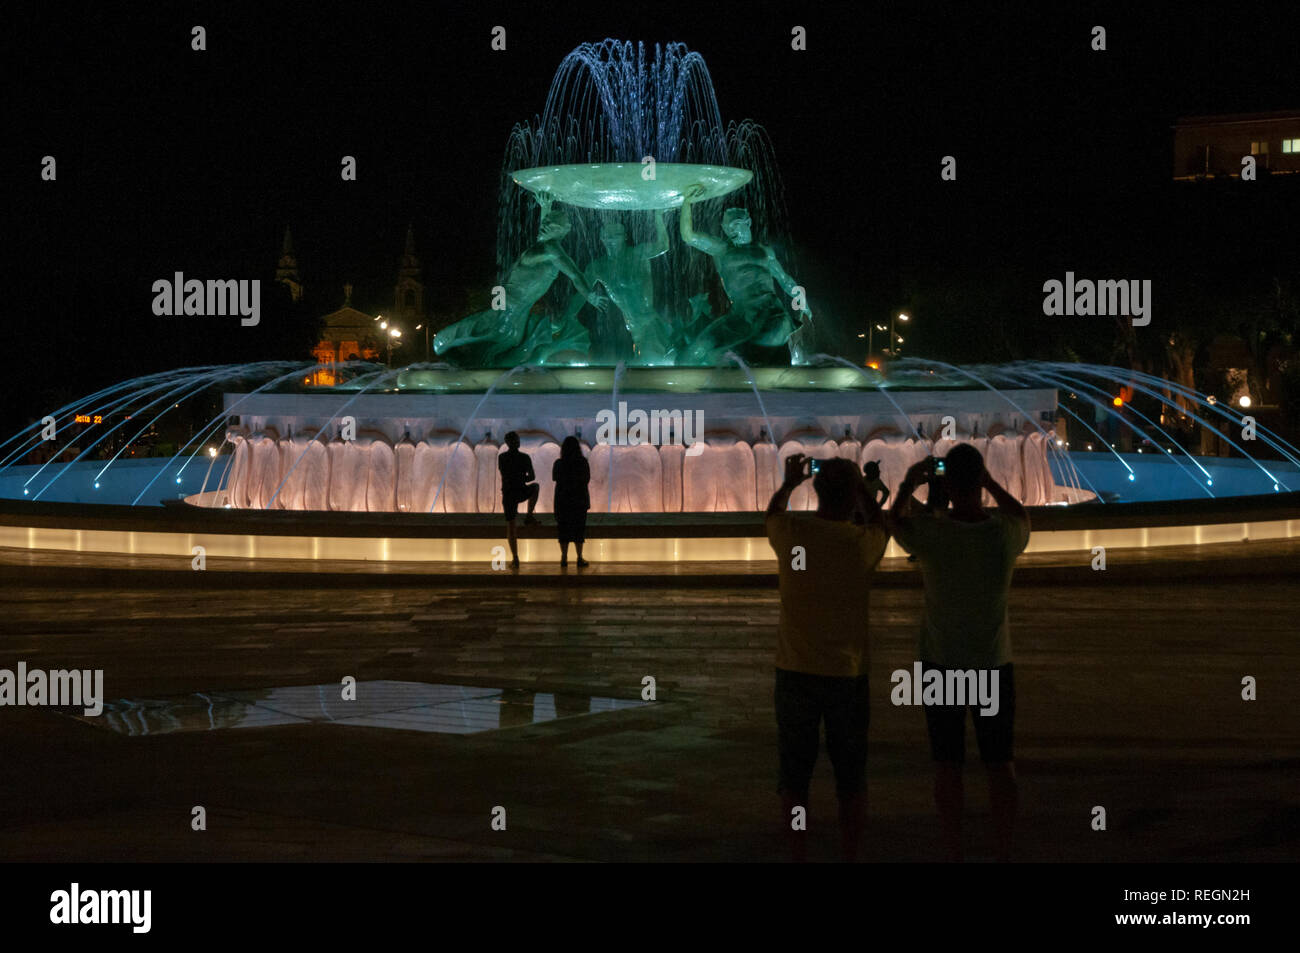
pixel 571 474
pixel 517 485
pixel 966 555
pixel 826 559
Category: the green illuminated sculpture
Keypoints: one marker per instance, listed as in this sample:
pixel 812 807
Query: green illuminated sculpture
pixel 512 334
pixel 624 273
pixel 757 326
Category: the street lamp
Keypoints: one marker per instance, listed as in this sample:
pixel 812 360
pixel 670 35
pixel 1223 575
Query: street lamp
pixel 393 335
pixel 392 338
pixel 894 339
pixel 871 332
pixel 382 323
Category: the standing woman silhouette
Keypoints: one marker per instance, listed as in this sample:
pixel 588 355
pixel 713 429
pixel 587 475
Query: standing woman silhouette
pixel 571 474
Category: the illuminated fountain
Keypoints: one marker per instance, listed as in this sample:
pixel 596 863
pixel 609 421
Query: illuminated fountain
pixel 282 447
pixel 631 141
pixel 643 254
pixel 436 452
pixel 618 104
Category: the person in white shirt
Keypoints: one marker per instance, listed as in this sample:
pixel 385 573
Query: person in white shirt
pixel 966 555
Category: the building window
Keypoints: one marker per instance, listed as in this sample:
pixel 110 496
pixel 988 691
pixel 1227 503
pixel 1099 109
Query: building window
pixel 1261 148
pixel 1291 145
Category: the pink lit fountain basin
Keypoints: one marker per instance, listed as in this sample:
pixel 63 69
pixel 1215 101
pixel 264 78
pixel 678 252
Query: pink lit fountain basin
pixel 432 445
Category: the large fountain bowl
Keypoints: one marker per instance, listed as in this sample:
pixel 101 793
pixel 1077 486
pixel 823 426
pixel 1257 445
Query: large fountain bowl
pixel 621 187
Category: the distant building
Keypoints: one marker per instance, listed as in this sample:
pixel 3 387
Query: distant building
pixel 408 300
pixel 286 271
pixel 348 335
pixel 1213 146
pixel 408 295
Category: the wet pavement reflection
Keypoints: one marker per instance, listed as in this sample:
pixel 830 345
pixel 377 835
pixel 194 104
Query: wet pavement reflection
pixel 405 706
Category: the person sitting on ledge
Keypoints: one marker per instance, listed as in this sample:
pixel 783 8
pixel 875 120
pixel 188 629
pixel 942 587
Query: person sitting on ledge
pixel 876 488
pixel 517 486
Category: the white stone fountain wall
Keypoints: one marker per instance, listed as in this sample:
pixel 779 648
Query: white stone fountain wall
pixel 315 464
pixel 381 480
pixel 443 474
pixel 670 459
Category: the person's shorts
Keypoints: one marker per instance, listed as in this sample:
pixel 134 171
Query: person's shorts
pixel 510 501
pixel 803 702
pixel 993 733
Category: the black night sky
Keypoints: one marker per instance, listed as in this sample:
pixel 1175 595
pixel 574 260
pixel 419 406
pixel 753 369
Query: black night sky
pixel 170 159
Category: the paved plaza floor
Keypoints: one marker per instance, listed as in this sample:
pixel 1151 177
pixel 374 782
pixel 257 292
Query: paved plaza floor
pixel 481 693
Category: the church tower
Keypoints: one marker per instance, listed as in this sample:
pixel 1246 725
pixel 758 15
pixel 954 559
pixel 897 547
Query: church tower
pixel 408 295
pixel 287 270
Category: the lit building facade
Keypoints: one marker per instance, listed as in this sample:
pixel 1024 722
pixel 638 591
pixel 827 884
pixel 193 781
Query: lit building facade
pixel 1213 146
pixel 350 334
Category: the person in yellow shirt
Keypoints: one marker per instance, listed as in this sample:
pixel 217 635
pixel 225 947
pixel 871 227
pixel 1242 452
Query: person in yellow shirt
pixel 826 559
